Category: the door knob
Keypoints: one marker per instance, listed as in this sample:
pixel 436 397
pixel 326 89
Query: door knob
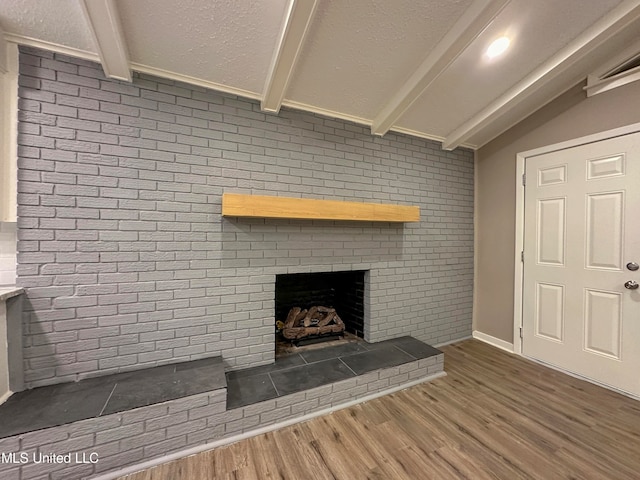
pixel 631 285
pixel 633 266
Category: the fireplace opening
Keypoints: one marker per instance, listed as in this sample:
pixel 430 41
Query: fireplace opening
pixel 316 307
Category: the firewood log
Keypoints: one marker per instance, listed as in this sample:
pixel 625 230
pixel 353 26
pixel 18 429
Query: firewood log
pixel 291 317
pixel 299 317
pixel 326 309
pixel 327 319
pixel 338 321
pixel 307 319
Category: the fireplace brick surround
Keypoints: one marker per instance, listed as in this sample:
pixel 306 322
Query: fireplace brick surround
pixel 127 263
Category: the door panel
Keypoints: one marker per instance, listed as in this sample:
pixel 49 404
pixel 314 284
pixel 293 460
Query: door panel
pixel 580 232
pixel 605 167
pixel 552 176
pixel 604 229
pixel 551 231
pixel 603 322
pixel 550 311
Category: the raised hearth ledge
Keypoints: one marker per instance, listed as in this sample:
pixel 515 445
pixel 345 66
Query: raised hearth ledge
pixel 130 441
pixel 237 205
pixel 303 406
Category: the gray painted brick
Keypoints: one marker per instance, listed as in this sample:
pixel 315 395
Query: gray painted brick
pixel 165 447
pixel 35 439
pixel 188 403
pixel 117 433
pixel 166 421
pixel 272 416
pixel 139 168
pixel 145 413
pixel 186 427
pixel 148 438
pixel 119 460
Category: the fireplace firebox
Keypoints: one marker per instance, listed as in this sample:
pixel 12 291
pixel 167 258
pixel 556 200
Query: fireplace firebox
pixel 322 302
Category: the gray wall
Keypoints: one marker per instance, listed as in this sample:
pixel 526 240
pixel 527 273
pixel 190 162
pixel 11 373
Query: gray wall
pixel 571 115
pixel 128 263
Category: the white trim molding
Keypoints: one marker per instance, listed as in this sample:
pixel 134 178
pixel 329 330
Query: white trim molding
pixel 518 256
pixel 4 65
pixel 138 67
pixel 179 77
pixel 103 21
pixel 613 22
pixel 474 20
pixel 296 26
pixel 435 138
pixel 496 342
pixel 305 107
pixel 9 135
pixel 52 47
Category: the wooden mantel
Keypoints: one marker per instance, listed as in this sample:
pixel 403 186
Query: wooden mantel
pixel 236 205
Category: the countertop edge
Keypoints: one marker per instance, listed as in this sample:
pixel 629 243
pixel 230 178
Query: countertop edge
pixel 8 292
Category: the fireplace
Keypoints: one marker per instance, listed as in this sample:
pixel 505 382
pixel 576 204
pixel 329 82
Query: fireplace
pixel 328 298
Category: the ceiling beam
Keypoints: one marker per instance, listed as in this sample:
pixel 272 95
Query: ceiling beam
pixel 474 20
pixel 615 21
pixel 104 23
pixel 296 26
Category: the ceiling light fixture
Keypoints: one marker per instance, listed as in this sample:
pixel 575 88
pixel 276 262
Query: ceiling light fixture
pixel 498 47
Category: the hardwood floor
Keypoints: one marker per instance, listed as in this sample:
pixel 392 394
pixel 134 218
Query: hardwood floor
pixel 495 416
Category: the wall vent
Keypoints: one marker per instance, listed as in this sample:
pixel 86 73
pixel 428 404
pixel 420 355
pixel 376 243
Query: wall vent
pixel 622 73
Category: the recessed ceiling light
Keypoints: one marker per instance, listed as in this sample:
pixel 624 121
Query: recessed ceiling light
pixel 498 47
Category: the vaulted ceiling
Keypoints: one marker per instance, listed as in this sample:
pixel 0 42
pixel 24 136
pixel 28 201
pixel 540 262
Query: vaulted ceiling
pixel 413 66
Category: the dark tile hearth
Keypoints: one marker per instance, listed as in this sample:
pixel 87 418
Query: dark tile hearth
pixel 54 405
pixel 254 386
pixel 310 376
pixel 312 368
pixel 377 358
pixel 311 356
pixel 60 404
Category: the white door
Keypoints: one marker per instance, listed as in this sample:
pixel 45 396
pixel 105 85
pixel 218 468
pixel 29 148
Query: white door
pixel 582 229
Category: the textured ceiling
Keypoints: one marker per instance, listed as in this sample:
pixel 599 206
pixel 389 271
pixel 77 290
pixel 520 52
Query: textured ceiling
pixel 476 80
pixel 415 59
pixel 229 41
pixel 361 50
pixel 56 21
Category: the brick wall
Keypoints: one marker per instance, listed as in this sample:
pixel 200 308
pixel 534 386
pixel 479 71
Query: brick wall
pixel 128 263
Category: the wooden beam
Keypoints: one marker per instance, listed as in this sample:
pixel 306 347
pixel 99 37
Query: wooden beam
pixel 615 21
pixel 295 29
pixel 474 20
pixel 235 205
pixel 104 23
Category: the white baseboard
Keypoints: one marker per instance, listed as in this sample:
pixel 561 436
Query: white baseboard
pixel 496 342
pixel 444 344
pixel 5 397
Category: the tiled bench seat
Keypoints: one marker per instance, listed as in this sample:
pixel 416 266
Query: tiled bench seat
pixel 194 420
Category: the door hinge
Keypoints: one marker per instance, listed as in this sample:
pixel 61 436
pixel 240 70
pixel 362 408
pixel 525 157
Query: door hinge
pixel 522 256
pixel 520 332
pixel 524 179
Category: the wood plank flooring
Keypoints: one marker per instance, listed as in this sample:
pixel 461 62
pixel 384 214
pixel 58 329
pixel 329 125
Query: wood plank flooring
pixel 495 416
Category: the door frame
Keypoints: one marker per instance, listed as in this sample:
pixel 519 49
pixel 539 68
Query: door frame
pixel 518 314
